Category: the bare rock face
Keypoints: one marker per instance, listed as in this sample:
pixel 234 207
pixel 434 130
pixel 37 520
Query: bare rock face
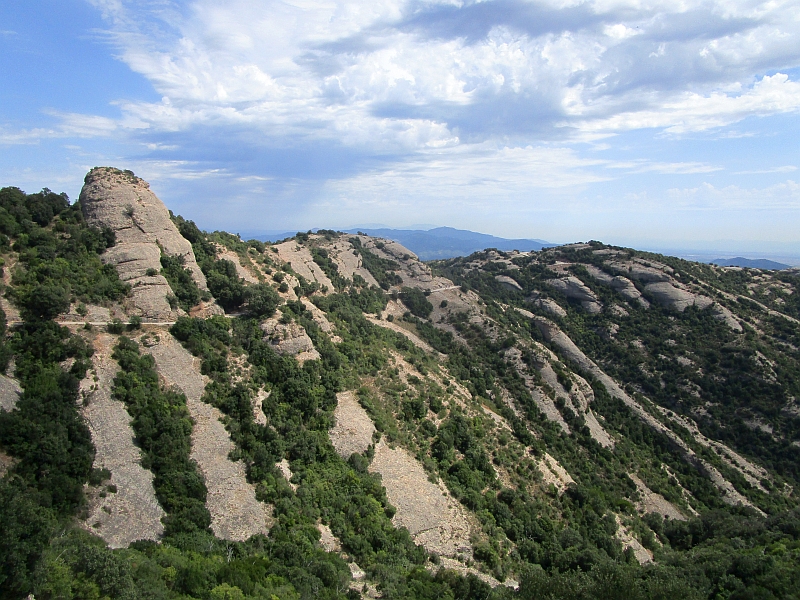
pixel 131 512
pixel 572 287
pixel 10 391
pixel 726 316
pixel 349 263
pixel 551 306
pixel 627 290
pixel 674 297
pixel 123 202
pixel 623 286
pixel 508 282
pixel 236 514
pixel 353 430
pixel 433 518
pixel 299 257
pixel 289 338
pixel 640 272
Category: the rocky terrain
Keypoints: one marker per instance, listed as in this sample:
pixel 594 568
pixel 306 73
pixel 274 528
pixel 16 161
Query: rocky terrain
pixel 578 408
pixel 126 205
pixel 125 509
pixel 235 512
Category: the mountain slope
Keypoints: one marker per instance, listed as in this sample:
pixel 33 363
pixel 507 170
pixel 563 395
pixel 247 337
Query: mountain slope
pixel 577 422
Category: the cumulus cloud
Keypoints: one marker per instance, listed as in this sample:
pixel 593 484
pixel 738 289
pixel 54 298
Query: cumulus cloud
pixel 405 75
pixel 458 100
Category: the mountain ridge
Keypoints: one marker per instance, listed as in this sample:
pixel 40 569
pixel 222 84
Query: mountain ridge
pixel 751 263
pixel 437 242
pixel 331 416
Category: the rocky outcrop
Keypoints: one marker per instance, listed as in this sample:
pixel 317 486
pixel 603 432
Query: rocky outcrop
pixel 353 429
pixel 128 510
pixel 10 392
pixel 508 283
pixel 550 306
pixel 301 261
pixel 726 316
pixel 349 263
pixel 124 203
pixel 640 272
pixel 290 339
pixel 623 286
pixel 671 296
pixel 574 288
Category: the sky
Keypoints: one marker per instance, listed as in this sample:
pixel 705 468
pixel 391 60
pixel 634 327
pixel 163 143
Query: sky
pixel 647 123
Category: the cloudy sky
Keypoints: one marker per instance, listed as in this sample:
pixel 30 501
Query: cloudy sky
pixel 660 123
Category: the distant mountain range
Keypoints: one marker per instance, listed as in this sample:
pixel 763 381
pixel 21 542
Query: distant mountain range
pixel 447 242
pixel 437 243
pixel 760 263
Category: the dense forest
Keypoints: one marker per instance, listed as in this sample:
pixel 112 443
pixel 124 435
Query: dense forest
pixel 531 537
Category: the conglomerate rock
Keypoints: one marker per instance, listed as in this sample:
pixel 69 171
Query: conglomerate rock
pixel 124 203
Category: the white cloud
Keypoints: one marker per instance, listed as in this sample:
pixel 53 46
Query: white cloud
pixel 781 196
pixel 782 169
pixel 418 104
pixel 691 111
pixel 382 74
pixel 70 125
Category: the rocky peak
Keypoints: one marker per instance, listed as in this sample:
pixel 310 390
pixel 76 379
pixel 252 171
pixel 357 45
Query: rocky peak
pixel 123 202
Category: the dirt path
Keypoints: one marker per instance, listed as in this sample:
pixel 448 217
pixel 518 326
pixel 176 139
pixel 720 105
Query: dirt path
pixel 235 512
pixel 132 512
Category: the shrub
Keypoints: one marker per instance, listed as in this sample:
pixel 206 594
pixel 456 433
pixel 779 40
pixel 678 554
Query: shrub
pixel 261 299
pixel 416 302
pixel 181 281
pixel 115 326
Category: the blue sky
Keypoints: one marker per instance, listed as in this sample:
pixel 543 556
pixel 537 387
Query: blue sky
pixel 646 123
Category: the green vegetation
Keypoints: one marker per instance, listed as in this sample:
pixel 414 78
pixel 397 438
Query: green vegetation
pixel 416 302
pixel 223 281
pixel 51 446
pixel 299 411
pixel 330 268
pixel 180 279
pixel 58 254
pixel 163 428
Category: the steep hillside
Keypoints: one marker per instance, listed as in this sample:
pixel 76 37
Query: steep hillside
pixel 187 414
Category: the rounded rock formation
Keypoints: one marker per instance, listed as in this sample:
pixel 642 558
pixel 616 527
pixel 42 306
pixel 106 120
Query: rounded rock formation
pixel 144 230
